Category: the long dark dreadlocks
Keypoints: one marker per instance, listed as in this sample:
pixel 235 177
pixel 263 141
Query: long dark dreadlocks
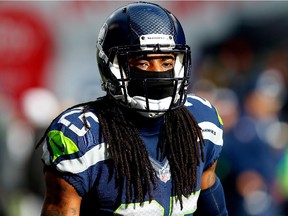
pixel 180 141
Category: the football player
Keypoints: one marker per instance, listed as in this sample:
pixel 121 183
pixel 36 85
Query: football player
pixel 146 147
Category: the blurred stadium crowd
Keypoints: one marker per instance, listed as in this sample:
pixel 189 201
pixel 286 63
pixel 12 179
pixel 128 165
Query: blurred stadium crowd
pixel 240 64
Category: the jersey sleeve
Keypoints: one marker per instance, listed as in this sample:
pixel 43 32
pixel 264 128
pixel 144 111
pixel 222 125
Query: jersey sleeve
pixel 69 146
pixel 211 124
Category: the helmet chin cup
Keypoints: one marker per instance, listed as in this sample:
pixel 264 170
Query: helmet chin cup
pixel 150 108
pixel 151 114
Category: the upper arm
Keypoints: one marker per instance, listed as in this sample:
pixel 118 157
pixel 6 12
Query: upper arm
pixel 61 198
pixel 208 177
pixel 211 200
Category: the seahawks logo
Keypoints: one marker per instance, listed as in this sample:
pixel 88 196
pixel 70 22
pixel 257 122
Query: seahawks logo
pixel 102 34
pixel 101 38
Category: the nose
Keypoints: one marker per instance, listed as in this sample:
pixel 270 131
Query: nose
pixel 156 65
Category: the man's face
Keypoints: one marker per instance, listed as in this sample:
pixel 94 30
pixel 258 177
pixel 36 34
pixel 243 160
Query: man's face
pixel 153 62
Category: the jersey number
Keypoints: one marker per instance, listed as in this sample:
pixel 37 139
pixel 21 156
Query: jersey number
pixel 79 131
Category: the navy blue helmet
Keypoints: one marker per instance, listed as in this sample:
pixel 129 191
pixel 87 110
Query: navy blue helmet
pixel 139 29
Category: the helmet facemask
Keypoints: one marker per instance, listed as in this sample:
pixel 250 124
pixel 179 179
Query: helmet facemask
pixel 149 93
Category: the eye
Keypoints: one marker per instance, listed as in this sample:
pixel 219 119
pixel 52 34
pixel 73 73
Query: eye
pixel 140 64
pixel 168 63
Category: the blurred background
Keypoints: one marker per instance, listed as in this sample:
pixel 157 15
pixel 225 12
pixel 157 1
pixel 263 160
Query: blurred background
pixel 240 64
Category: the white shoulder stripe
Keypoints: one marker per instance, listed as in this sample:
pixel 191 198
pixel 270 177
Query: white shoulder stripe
pixel 99 153
pixel 211 132
pixel 202 100
pixel 77 165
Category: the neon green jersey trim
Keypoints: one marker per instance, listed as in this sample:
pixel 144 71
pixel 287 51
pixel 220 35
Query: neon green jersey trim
pixel 60 144
pixel 190 202
pixel 219 117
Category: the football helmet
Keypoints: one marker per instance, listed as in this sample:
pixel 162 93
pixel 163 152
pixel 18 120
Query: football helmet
pixel 139 29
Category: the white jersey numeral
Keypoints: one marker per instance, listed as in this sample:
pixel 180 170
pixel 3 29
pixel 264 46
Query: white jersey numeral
pixel 154 208
pixel 79 131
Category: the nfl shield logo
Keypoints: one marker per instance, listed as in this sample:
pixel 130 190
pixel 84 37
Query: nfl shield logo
pixel 164 174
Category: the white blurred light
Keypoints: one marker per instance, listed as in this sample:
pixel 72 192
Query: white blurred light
pixel 271 83
pixel 257 202
pixel 19 141
pixel 277 135
pixel 30 205
pixel 40 106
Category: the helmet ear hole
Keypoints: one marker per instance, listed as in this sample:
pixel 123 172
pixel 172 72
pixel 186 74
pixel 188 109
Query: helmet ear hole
pixel 111 87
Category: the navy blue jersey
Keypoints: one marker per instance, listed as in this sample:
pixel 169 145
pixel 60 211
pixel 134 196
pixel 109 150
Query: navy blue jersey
pixel 78 155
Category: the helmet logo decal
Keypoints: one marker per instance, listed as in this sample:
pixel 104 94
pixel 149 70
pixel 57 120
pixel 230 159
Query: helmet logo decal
pixel 165 42
pixel 102 34
pixel 101 37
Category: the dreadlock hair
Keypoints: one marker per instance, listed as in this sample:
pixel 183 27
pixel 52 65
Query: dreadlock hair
pixel 180 141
